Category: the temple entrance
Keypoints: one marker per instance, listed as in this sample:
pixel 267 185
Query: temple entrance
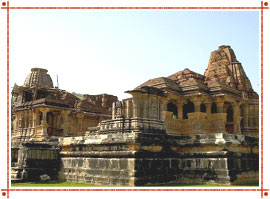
pixel 172 108
pixel 187 108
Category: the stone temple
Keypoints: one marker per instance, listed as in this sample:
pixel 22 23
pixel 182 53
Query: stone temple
pixel 184 128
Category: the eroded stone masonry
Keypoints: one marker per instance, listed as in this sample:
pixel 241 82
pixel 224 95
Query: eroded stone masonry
pixel 186 127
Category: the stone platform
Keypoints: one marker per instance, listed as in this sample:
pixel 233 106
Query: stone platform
pixel 151 157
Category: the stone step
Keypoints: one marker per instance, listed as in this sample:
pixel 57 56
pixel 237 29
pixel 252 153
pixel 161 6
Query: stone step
pixel 16 175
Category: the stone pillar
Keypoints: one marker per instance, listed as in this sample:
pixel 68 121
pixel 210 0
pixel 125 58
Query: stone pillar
pixel 129 108
pixel 208 108
pixel 236 119
pixel 25 119
pixel 30 114
pixel 65 124
pixel 34 118
pixel 220 105
pixel 246 115
pixel 113 110
pixel 159 109
pixel 20 120
pixel 80 117
pixel 197 106
pixel 135 106
pixel 44 117
pixel 164 105
pixel 145 103
pixel 41 130
pixel 15 122
pixel 180 110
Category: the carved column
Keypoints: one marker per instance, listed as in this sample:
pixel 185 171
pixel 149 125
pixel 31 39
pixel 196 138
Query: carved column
pixel 164 108
pixel 35 120
pixel 159 109
pixel 20 121
pixel 41 130
pixel 135 106
pixel 129 108
pixel 44 117
pixel 15 122
pixel 208 108
pixel 34 116
pixel 80 122
pixel 197 105
pixel 30 114
pixel 145 103
pixel 180 111
pixel 220 105
pixel 164 105
pixel 25 119
pixel 113 110
pixel 66 124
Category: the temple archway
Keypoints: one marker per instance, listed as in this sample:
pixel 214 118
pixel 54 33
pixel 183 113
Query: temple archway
pixel 203 108
pixel 171 107
pixel 187 108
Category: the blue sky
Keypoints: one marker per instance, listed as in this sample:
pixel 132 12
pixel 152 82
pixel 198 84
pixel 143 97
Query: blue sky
pixel 97 52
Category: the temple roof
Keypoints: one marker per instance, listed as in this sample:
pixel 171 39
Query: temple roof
pixel 160 82
pixel 38 77
pixel 187 77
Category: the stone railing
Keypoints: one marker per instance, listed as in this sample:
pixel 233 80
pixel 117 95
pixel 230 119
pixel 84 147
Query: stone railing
pixel 198 123
pixel 124 124
pixel 23 133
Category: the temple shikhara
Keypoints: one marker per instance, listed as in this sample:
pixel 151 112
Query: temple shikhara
pixel 184 128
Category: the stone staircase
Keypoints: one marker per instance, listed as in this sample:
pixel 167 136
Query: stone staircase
pixel 16 174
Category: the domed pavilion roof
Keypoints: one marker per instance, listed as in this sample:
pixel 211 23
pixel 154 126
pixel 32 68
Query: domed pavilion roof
pixel 38 77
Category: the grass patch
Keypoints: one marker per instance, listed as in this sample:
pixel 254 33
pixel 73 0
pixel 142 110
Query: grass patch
pixel 71 184
pixel 203 185
pixel 53 184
